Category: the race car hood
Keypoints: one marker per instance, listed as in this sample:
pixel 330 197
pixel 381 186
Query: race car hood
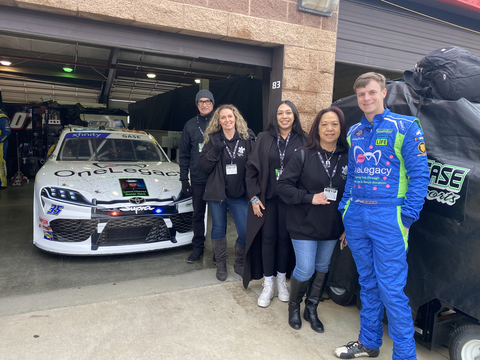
pixel 113 181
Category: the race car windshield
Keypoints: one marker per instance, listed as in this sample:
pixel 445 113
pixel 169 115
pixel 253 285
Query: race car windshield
pixel 111 150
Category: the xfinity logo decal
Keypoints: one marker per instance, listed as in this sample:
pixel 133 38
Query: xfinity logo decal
pixel 88 135
pixel 136 208
pixel 446 181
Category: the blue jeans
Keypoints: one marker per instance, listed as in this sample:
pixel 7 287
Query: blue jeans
pixel 311 255
pixel 238 209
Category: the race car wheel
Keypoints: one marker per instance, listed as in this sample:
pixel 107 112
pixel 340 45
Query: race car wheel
pixel 340 296
pixel 465 343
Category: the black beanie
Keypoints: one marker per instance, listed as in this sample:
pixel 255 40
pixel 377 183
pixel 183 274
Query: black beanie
pixel 204 94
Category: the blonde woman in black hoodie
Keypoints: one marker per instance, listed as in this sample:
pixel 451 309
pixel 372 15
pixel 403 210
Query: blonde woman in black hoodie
pixel 228 142
pixel 312 184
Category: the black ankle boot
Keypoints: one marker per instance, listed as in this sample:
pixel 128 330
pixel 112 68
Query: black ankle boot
pixel 297 290
pixel 314 294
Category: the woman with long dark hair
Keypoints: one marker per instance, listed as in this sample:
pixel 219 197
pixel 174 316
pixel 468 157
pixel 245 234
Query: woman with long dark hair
pixel 268 242
pixel 312 184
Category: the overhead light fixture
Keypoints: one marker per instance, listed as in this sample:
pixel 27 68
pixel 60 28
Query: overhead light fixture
pixel 198 81
pixel 67 68
pixel 151 76
pixel 319 7
pixel 5 63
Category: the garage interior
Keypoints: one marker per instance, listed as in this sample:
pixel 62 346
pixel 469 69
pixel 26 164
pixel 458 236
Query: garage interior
pixel 109 66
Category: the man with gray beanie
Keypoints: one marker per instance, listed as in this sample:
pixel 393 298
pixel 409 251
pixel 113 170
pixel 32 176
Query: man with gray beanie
pixel 191 145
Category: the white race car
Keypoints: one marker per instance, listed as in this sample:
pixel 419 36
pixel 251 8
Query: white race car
pixel 110 191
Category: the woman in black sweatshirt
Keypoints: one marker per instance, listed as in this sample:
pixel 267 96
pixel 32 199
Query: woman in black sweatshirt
pixel 228 142
pixel 312 184
pixel 268 246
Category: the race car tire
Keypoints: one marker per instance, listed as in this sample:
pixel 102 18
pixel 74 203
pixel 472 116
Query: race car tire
pixel 465 343
pixel 340 296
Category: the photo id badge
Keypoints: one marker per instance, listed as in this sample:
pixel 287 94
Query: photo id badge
pixel 331 193
pixel 231 169
pixel 200 147
pixel 278 173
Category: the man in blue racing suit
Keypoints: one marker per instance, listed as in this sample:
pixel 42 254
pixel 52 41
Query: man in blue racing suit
pixel 4 134
pixel 386 185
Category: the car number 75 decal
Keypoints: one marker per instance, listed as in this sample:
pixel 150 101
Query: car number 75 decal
pixel 55 210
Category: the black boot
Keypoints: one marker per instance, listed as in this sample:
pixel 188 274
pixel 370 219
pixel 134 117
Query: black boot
pixel 314 294
pixel 297 290
pixel 239 259
pixel 220 250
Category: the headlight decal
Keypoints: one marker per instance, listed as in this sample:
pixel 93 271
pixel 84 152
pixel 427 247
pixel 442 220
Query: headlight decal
pixel 65 195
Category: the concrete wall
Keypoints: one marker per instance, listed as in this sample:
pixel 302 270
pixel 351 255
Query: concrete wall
pixel 309 40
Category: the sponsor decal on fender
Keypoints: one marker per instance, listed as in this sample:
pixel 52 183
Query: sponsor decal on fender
pixel 48 235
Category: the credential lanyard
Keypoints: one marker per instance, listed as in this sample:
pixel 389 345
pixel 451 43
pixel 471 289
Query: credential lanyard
pixel 232 155
pixel 198 124
pixel 325 166
pixel 282 154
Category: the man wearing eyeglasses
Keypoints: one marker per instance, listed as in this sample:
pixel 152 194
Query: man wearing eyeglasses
pixel 191 145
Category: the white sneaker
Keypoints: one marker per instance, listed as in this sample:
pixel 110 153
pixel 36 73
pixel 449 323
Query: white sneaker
pixel 266 295
pixel 282 289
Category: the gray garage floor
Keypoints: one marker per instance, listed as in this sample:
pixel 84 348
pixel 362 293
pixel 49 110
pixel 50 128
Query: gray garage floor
pixel 24 269
pixel 146 306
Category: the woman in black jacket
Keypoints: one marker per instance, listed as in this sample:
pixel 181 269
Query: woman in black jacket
pixel 268 241
pixel 228 142
pixel 312 184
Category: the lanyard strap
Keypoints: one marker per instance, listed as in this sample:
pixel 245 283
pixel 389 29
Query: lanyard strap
pixel 282 154
pixel 198 124
pixel 325 166
pixel 232 155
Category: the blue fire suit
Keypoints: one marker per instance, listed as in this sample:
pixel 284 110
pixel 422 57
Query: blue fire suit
pixel 386 185
pixel 4 134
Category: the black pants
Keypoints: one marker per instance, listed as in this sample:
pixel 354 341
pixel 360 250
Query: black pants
pixel 198 215
pixel 275 238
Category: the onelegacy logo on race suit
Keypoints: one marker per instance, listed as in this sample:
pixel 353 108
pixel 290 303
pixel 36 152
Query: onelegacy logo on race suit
pixel 446 182
pixel 362 158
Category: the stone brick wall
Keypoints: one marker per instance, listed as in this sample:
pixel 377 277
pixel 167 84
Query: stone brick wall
pixel 309 40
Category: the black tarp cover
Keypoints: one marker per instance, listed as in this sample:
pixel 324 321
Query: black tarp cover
pixel 171 110
pixel 444 244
